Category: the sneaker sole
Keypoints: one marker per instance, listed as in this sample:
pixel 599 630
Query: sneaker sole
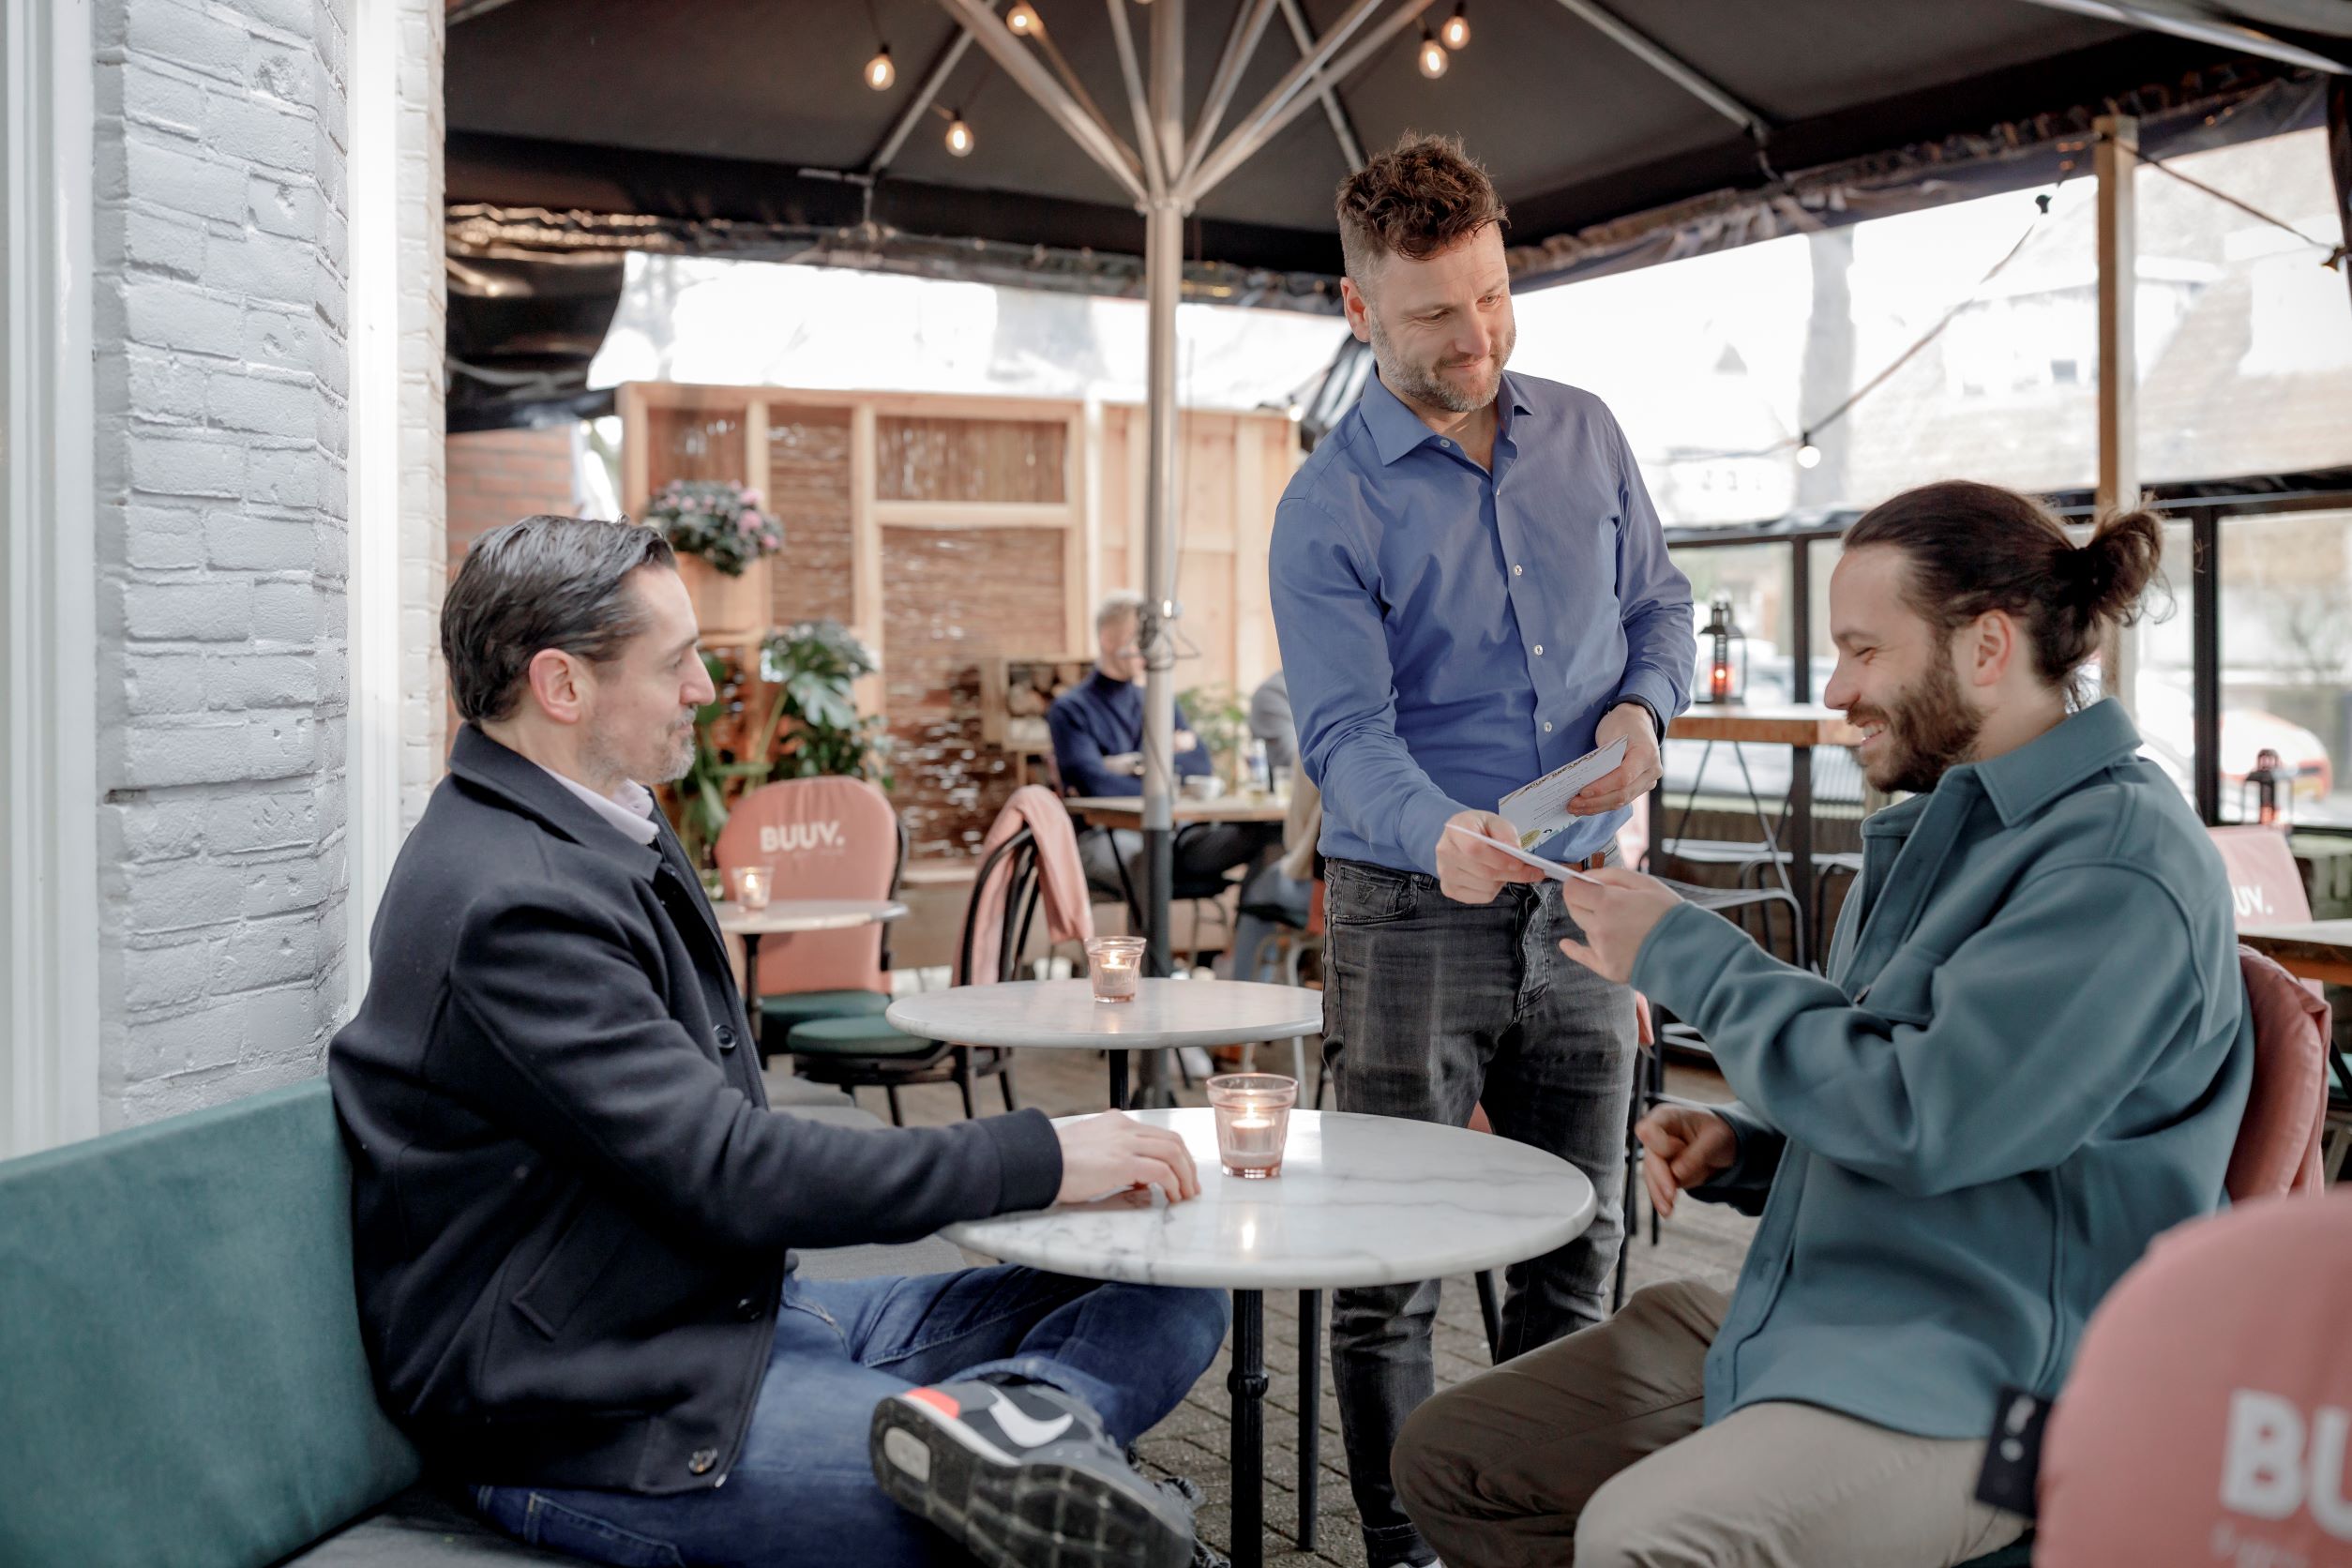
pixel 1011 1513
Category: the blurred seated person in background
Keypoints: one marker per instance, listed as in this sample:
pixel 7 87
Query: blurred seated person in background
pixel 1269 721
pixel 2030 1058
pixel 1273 899
pixel 572 1203
pixel 1097 731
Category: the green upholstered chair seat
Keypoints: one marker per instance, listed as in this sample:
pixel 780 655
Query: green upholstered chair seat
pixel 866 1036
pixel 186 1383
pixel 779 1014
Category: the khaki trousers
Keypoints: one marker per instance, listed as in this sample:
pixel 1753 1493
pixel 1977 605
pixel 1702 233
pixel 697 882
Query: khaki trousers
pixel 1590 1450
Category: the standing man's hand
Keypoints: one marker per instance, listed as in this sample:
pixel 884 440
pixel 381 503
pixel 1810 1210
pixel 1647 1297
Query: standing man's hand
pixel 1630 779
pixel 1687 1148
pixel 1616 910
pixel 1470 873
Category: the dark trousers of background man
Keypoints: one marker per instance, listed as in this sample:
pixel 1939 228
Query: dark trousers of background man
pixel 1201 852
pixel 1431 1007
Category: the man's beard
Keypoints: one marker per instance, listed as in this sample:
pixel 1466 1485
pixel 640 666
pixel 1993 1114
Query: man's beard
pixel 1423 384
pixel 1930 729
pixel 670 765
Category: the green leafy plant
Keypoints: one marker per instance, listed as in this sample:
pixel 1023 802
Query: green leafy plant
pixel 810 727
pixel 717 520
pixel 816 667
pixel 1221 719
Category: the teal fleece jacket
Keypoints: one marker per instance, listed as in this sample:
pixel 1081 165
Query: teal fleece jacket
pixel 2030 1057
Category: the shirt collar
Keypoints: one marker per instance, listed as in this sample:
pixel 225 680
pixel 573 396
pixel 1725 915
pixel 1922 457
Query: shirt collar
pixel 632 815
pixel 1397 430
pixel 2020 783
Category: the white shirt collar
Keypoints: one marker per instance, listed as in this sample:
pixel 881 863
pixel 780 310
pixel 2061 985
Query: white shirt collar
pixel 632 814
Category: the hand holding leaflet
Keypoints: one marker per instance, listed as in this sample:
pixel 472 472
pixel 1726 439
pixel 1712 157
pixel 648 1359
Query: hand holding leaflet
pixel 1540 809
pixel 1549 867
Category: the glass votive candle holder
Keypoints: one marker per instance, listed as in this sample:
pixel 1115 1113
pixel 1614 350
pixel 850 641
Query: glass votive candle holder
pixel 1114 964
pixel 748 887
pixel 1253 1113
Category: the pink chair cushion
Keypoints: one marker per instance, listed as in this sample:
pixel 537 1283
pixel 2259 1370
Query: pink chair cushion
pixel 2278 1143
pixel 825 838
pixel 2264 882
pixel 2205 1418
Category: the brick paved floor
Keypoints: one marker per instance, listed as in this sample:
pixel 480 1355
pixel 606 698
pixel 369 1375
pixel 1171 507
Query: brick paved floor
pixel 1703 1241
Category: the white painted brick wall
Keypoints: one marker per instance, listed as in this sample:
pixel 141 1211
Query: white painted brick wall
pixel 424 469
pixel 221 449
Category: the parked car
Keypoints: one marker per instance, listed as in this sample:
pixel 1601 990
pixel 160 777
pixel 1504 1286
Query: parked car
pixel 2168 733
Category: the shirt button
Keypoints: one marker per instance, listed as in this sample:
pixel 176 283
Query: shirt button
pixel 1539 650
pixel 1518 571
pixel 725 1036
pixel 748 1308
pixel 702 1461
pixel 1548 727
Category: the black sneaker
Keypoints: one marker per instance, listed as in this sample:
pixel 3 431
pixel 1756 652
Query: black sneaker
pixel 1023 1476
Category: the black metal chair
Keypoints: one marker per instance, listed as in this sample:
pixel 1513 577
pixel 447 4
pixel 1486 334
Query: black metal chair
pixel 871 1053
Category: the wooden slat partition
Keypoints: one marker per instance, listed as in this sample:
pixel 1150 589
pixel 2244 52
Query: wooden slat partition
pixel 950 530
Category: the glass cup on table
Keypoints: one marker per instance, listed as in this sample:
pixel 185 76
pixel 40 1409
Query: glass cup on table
pixel 1253 1116
pixel 1114 964
pixel 749 887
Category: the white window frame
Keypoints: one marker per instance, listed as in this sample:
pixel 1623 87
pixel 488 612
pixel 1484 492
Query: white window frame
pixel 49 931
pixel 372 578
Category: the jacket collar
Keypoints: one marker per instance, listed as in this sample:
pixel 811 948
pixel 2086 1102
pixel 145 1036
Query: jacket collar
pixel 1396 429
pixel 2021 783
pixel 524 786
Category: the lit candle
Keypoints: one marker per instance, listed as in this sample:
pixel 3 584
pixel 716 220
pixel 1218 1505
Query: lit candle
pixel 1114 964
pixel 1253 1118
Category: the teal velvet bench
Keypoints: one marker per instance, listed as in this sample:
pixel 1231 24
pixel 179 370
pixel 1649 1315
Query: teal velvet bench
pixel 182 1383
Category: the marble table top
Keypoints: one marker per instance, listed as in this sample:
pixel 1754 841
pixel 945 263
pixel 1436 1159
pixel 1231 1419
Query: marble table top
pixel 1064 1013
pixel 1361 1201
pixel 785 916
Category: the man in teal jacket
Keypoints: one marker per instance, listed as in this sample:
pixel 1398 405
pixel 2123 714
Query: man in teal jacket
pixel 2030 1058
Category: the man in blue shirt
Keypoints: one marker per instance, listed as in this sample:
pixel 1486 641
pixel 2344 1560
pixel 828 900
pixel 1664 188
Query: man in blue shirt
pixel 1472 589
pixel 1097 728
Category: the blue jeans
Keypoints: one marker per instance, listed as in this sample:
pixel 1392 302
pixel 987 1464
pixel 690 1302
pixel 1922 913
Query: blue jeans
pixel 801 1490
pixel 1430 1008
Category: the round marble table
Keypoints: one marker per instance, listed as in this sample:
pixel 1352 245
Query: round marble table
pixel 1361 1201
pixel 785 917
pixel 1050 1015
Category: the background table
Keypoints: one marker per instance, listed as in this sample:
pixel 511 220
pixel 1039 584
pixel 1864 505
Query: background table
pixel 1801 728
pixel 2314 949
pixel 784 917
pixel 1361 1201
pixel 1063 1015
pixel 1225 808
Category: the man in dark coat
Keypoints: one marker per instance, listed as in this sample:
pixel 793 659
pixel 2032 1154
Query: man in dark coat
pixel 573 1205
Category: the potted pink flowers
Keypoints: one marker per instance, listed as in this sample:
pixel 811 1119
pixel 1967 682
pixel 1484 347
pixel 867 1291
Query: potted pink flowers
pixel 723 536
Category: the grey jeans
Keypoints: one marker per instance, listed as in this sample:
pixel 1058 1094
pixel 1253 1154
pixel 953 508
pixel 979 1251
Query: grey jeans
pixel 1431 1007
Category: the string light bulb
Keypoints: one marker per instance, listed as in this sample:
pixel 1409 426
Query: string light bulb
pixel 958 134
pixel 880 72
pixel 1808 455
pixel 1433 56
pixel 1455 32
pixel 1023 19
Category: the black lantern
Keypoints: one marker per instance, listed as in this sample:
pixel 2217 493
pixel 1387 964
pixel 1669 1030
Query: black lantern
pixel 1726 674
pixel 2270 810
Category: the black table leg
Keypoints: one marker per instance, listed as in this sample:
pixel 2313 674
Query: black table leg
pixel 1247 1385
pixel 751 994
pixel 1117 1078
pixel 1310 1410
pixel 1801 846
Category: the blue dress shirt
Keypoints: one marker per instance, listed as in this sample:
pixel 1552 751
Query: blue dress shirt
pixel 1101 718
pixel 1451 634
